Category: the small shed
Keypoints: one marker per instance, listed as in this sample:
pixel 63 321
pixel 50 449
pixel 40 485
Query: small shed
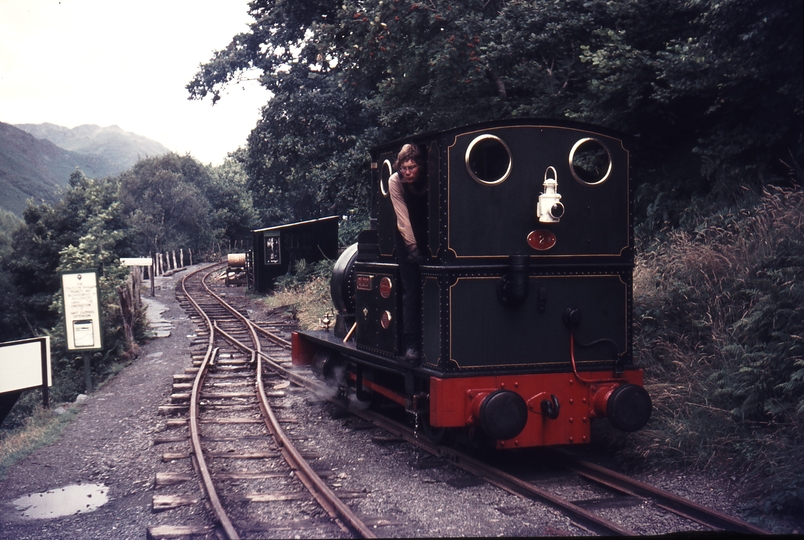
pixel 276 249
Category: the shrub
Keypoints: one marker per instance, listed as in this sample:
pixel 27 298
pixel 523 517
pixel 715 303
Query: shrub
pixel 306 293
pixel 718 328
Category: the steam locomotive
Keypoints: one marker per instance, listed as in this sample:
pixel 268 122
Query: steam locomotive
pixel 526 288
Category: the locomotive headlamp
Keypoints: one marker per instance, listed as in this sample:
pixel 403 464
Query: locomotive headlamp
pixel 549 208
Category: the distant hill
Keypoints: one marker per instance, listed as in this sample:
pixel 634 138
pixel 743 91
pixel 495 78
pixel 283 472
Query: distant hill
pixel 36 160
pixel 119 149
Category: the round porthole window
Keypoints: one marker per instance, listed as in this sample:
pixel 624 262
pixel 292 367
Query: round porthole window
pixel 385 174
pixel 488 160
pixel 590 161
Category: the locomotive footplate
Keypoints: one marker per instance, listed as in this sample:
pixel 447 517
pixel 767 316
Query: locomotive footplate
pixel 342 364
pixel 516 410
pixel 309 343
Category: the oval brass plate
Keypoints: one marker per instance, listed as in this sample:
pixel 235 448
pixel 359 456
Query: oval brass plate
pixel 541 240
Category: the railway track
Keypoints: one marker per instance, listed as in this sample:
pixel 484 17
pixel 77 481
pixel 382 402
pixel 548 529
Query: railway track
pixel 618 490
pixel 238 445
pixel 245 355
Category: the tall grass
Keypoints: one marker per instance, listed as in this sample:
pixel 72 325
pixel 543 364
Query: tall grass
pixel 719 326
pixel 40 428
pixel 305 294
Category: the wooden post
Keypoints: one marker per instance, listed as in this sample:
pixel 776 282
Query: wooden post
pixel 87 372
pixel 153 271
pixel 45 389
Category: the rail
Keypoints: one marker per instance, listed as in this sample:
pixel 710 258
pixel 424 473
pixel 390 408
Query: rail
pixel 317 487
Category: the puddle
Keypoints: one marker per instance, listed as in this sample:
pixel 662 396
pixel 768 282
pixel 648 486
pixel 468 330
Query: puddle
pixel 65 501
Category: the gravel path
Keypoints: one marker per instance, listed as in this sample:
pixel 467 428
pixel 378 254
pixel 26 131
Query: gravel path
pixel 110 443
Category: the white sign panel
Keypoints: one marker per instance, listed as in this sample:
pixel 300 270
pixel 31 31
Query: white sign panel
pixel 21 364
pixel 81 310
pixel 136 261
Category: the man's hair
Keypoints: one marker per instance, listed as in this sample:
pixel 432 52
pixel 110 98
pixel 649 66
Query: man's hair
pixel 409 152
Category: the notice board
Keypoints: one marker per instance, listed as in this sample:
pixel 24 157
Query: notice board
pixel 82 310
pixel 25 364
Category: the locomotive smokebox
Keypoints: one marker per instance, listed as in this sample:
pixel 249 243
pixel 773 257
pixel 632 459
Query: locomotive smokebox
pixel 503 414
pixel 342 290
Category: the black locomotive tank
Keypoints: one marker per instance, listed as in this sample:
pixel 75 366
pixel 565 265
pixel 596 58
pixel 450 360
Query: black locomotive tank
pixel 526 289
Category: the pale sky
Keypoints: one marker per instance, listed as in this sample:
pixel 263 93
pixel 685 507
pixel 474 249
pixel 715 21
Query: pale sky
pixel 125 63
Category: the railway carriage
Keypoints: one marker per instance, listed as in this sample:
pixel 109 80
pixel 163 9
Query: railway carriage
pixel 526 288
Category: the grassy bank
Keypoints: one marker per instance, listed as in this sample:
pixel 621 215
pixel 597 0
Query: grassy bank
pixel 39 428
pixel 718 329
pixel 305 294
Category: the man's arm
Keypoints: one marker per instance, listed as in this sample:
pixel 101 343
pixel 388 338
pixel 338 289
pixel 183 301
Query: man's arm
pixel 396 190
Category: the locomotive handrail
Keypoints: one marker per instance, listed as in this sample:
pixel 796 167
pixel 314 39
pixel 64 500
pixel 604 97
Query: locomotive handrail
pixel 575 368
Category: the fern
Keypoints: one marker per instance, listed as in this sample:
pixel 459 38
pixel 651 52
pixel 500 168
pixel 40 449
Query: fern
pixel 719 311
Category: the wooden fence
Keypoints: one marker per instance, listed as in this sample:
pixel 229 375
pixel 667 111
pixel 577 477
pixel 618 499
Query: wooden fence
pixel 167 261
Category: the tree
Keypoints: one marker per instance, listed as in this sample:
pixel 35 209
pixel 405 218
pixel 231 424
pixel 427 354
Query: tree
pixel 38 244
pixel 307 158
pixel 232 203
pixel 165 203
pixel 9 223
pixel 705 86
pixel 102 237
pixel 742 61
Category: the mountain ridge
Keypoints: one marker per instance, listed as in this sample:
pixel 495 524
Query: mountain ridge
pixel 36 160
pixel 112 143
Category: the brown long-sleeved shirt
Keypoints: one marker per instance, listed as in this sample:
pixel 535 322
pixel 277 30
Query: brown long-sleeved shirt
pixel 397 192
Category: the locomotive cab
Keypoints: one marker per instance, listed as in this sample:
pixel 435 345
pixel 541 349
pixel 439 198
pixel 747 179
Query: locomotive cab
pixel 526 288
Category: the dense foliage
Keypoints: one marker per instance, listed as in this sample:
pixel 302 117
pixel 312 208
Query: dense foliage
pixel 712 90
pixel 161 204
pixel 718 313
pixel 85 230
pixel 175 202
